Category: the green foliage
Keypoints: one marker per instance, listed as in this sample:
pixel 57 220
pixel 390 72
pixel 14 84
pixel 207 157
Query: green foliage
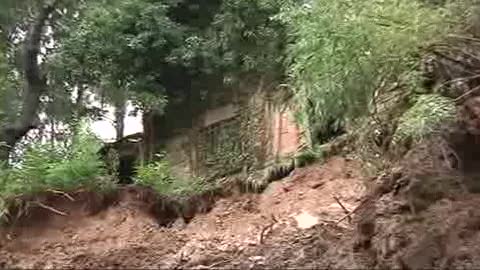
pixel 222 151
pixel 4 83
pixel 159 176
pixel 242 37
pixel 427 115
pixel 9 97
pixel 121 47
pixel 11 11
pixel 168 48
pixel 84 168
pixel 309 156
pixel 44 167
pixel 342 51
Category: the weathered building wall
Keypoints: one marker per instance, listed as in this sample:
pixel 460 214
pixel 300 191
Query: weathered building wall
pixel 286 134
pixel 238 130
pixel 179 153
pixel 193 151
pixel 213 116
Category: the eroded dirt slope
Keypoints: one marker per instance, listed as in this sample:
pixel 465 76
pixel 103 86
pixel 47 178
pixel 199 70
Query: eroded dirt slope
pixel 290 225
pixel 416 222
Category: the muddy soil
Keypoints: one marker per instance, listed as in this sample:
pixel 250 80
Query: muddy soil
pixel 292 224
pixel 288 225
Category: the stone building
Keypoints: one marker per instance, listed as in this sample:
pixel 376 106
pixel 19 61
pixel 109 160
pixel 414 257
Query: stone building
pixel 225 132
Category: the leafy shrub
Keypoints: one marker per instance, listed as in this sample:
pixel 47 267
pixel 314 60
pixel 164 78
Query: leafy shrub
pixel 156 175
pixel 342 51
pixel 45 167
pixel 309 156
pixel 426 116
pixel 159 176
pixel 84 167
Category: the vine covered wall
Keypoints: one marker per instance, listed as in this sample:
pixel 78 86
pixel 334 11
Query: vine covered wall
pixel 235 135
pixel 239 143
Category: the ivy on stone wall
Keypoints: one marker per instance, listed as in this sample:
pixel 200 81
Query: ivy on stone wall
pixel 223 148
pixel 254 129
pixel 236 144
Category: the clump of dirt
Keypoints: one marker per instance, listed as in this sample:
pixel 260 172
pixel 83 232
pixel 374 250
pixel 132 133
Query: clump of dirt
pixel 42 209
pixel 247 230
pixel 424 214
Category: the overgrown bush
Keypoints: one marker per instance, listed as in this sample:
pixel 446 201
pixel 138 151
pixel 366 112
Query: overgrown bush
pixel 159 176
pixel 342 52
pixel 84 167
pixel 45 167
pixel 309 156
pixel 427 115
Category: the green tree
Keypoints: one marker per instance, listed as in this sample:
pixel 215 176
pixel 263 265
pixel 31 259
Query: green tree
pixel 151 46
pixel 342 52
pixel 25 26
pixel 149 52
pixel 34 83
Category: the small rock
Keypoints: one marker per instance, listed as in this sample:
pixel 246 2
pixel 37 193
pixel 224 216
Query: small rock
pixel 179 224
pixel 196 259
pixel 224 248
pixel 257 258
pixel 250 243
pixel 397 173
pixel 316 185
pixel 305 220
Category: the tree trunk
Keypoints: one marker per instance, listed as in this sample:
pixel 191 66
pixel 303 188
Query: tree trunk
pixel 148 135
pixel 52 133
pixel 35 86
pixel 120 112
pixel 78 110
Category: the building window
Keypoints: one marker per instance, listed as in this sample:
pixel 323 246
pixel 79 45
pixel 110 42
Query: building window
pixel 222 142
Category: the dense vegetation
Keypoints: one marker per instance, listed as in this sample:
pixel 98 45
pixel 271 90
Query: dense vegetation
pixel 342 53
pixel 337 57
pixel 159 176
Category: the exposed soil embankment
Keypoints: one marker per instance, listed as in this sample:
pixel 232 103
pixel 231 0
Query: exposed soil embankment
pixel 292 224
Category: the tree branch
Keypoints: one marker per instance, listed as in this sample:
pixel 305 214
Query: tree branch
pixel 35 84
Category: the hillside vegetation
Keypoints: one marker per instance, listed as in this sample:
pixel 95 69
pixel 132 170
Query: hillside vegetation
pixel 345 64
pixel 392 84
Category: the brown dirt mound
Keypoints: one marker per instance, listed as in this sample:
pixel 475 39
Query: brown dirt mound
pixel 423 215
pixel 290 225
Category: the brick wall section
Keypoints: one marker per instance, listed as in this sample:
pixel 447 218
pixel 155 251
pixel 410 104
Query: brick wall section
pixel 286 134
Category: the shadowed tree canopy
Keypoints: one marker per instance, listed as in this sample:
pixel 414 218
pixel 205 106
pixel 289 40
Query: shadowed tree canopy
pixel 27 38
pixel 55 52
pixel 159 50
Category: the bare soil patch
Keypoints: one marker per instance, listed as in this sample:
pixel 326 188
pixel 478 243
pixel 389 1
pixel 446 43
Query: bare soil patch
pixel 292 224
pixel 246 230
